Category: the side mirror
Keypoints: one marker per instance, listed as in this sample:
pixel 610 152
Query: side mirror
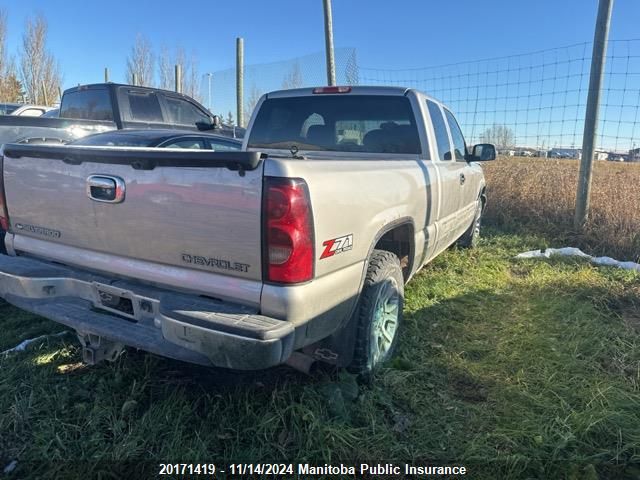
pixel 483 152
pixel 214 123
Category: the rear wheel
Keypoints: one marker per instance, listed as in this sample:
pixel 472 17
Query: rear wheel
pixel 379 313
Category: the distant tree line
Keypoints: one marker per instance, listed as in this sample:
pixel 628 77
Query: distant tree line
pixel 35 75
pixel 500 135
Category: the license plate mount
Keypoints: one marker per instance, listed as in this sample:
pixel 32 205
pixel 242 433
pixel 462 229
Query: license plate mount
pixel 115 300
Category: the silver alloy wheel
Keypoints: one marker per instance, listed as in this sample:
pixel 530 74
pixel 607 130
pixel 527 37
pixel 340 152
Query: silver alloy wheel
pixel 385 320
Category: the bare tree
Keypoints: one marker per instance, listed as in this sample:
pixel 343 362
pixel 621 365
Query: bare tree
pixel 190 75
pixel 140 63
pixel 293 79
pixel 165 69
pixel 500 135
pixel 3 43
pixel 39 70
pixel 193 79
pixel 10 86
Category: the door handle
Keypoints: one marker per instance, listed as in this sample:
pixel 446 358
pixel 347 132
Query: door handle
pixel 105 188
pixel 462 179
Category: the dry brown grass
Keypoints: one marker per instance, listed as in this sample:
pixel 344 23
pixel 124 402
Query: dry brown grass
pixel 541 193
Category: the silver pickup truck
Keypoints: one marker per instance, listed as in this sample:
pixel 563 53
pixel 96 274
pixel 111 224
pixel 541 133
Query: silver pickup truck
pixel 293 250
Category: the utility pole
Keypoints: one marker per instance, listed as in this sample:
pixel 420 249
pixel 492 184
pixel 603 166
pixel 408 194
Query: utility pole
pixel 135 79
pixel 209 75
pixel 328 43
pixel 598 57
pixel 240 80
pixel 106 75
pixel 178 78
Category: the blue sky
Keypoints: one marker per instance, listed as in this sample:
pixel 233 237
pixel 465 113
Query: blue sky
pixel 390 36
pixel 86 36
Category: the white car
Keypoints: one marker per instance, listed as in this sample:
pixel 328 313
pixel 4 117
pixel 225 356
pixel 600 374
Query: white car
pixel 22 109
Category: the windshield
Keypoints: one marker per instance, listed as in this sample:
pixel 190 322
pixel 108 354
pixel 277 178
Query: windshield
pixel 341 123
pixel 7 108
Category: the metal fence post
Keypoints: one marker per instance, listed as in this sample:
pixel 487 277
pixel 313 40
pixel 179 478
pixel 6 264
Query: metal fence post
pixel 240 80
pixel 328 41
pixel 178 78
pixel 209 76
pixel 45 97
pixel 591 117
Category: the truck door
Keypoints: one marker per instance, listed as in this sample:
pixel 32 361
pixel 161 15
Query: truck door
pixel 468 178
pixel 451 173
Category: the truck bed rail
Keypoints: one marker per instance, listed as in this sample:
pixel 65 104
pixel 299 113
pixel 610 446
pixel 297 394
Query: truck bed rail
pixel 138 158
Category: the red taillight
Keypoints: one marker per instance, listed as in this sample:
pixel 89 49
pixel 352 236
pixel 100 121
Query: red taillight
pixel 4 218
pixel 332 90
pixel 288 231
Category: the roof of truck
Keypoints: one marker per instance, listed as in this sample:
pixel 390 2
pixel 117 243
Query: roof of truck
pixel 355 89
pixel 115 85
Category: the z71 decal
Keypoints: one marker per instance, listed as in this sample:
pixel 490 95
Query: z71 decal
pixel 337 245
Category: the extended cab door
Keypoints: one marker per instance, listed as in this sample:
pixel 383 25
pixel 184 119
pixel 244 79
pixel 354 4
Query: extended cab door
pixel 451 173
pixel 468 178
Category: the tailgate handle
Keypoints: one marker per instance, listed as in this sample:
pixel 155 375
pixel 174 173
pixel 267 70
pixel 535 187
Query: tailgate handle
pixel 105 188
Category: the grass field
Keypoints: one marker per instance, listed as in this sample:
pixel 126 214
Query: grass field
pixel 540 194
pixel 516 369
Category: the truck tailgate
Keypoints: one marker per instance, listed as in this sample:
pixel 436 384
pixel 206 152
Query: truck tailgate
pixel 179 210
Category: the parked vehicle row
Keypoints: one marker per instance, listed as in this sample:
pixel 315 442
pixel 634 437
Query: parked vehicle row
pixel 292 250
pixel 23 110
pixel 106 107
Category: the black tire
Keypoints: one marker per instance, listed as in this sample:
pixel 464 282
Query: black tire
pixel 384 276
pixel 470 238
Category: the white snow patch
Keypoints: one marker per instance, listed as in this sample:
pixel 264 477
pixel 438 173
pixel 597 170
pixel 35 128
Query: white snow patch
pixel 22 346
pixel 576 252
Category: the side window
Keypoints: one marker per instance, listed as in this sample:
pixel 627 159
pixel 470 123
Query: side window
pixel 32 112
pixel 440 128
pixel 183 112
pixel 223 146
pixel 144 107
pixel 192 143
pixel 87 104
pixel 456 135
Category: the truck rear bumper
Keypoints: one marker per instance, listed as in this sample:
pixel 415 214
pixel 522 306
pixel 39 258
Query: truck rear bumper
pixel 185 327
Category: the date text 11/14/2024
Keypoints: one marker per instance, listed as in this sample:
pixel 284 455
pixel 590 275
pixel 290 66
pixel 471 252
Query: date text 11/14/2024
pixel 210 469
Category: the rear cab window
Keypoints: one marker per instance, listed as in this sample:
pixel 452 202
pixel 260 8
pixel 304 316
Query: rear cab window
pixel 141 106
pixel 87 104
pixel 440 129
pixel 337 123
pixel 460 148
